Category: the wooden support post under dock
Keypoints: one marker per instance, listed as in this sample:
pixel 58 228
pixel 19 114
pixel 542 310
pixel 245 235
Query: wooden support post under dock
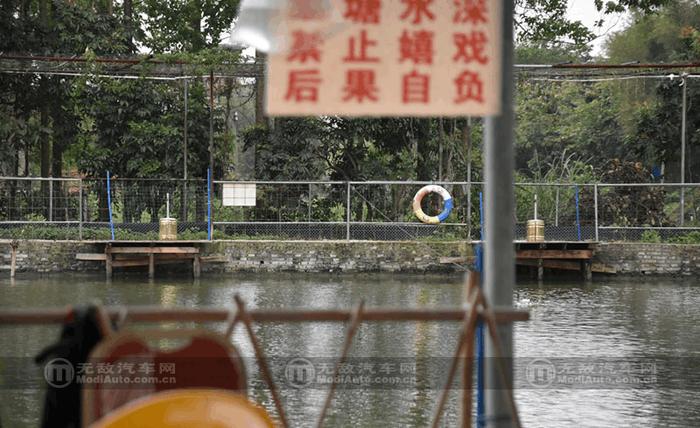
pixel 13 259
pixel 108 261
pixel 151 264
pixel 587 270
pixel 196 266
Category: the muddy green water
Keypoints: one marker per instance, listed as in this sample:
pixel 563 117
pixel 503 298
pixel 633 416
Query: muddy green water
pixel 626 319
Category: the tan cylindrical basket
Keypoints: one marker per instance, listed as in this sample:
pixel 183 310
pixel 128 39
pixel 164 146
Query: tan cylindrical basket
pixel 168 229
pixel 535 230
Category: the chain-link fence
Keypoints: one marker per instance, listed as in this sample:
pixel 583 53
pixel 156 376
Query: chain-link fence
pixel 568 210
pixel 652 213
pixel 374 210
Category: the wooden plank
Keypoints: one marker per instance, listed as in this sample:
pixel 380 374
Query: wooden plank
pixel 131 262
pixel 551 264
pixel 602 268
pixel 151 266
pixel 155 250
pixel 555 254
pixel 91 257
pixel 213 259
pixel 567 265
pixel 143 261
pixel 449 260
pixel 157 256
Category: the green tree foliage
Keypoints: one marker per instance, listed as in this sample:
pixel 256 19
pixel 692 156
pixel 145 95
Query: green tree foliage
pixel 667 36
pixel 131 127
pixel 134 128
pixel 652 113
pixel 544 22
pixel 185 26
pixel 290 151
pixel 555 118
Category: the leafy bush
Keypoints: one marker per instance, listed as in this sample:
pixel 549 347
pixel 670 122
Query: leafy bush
pixel 688 238
pixel 651 237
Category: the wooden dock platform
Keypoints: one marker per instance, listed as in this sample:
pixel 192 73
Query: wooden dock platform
pixel 557 255
pixel 150 253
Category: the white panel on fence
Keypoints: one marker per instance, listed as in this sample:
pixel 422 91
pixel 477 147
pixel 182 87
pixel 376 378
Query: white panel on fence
pixel 239 195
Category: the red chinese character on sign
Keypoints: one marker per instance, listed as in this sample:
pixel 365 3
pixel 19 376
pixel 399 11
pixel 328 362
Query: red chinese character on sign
pixel 416 9
pixel 471 11
pixel 360 84
pixel 362 11
pixel 357 49
pixel 303 85
pixel 470 47
pixel 469 87
pixel 306 46
pixel 307 9
pixel 417 47
pixel 416 87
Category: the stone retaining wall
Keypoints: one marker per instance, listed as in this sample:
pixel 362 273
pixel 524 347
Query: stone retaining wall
pixel 49 256
pixel 651 259
pixel 346 256
pixel 259 256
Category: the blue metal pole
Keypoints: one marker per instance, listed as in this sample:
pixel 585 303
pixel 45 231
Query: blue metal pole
pixel 578 219
pixel 209 204
pixel 480 408
pixel 109 204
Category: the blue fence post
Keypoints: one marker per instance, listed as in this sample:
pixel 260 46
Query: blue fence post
pixel 480 403
pixel 578 219
pixel 109 205
pixel 209 204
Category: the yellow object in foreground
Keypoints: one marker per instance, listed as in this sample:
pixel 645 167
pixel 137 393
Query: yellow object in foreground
pixel 202 408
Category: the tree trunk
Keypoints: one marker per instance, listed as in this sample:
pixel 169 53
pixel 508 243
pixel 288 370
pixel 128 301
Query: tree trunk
pixel 467 138
pixel 57 171
pixel 422 150
pixel 128 23
pixel 45 147
pixel 441 132
pixel 260 117
pixel 45 144
pixel 103 207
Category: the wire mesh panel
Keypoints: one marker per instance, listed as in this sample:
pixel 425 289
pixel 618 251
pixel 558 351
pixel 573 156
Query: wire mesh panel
pixel 568 210
pixel 653 213
pixel 383 211
pixel 280 210
pixel 39 200
pixel 138 205
pixel 45 208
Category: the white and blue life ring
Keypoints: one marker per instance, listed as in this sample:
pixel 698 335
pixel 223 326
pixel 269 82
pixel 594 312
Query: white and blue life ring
pixel 446 198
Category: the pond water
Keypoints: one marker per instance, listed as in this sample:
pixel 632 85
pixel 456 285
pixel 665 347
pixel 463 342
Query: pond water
pixel 605 324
